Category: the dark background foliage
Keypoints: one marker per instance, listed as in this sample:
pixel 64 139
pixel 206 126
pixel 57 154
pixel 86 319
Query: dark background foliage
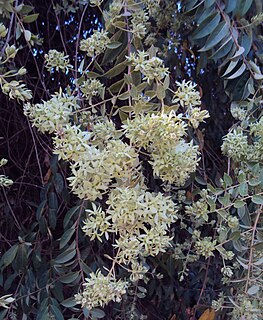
pixel 37 211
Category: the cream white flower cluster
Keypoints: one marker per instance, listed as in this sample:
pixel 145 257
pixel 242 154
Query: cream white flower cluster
pixel 139 23
pixel 16 90
pixel 57 60
pixel 141 220
pixel 162 135
pixel 70 142
pixel 186 94
pixel 198 209
pixel 4 180
pixel 99 290
pixel 196 116
pixel 244 309
pixel 113 13
pixel 236 146
pixel 205 247
pixel 104 130
pixel 3 30
pixel 51 115
pixel 91 88
pixel 188 97
pixel 152 68
pixel 95 44
pixel 95 170
pixel 6 300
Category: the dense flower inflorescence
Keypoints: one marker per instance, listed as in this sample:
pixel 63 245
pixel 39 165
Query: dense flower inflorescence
pixel 99 290
pixel 70 143
pixel 196 116
pixel 186 94
pixel 51 115
pixel 140 218
pixel 236 146
pixel 91 88
pixel 96 44
pixel 95 170
pixel 152 68
pixel 205 247
pixel 4 180
pixel 175 165
pixel 57 60
pixel 163 135
pixel 3 31
pixel 16 90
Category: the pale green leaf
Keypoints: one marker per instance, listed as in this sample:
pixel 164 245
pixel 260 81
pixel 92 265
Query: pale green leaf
pixel 257 199
pixel 216 36
pixel 207 26
pixel 27 35
pixel 238 72
pixel 30 18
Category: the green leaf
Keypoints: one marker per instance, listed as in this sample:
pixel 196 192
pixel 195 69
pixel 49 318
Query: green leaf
pixel 259 247
pixel 69 215
pixel 235 235
pixel 245 42
pixel 57 313
pixel 69 303
pixel 127 108
pixel 200 180
pixel 242 176
pixel 91 74
pixel 124 96
pixel 8 257
pixel 3 314
pixel 244 216
pixel 237 91
pixel 190 7
pixel 86 312
pixel 98 313
pixel 228 180
pixel 116 70
pixel 114 45
pixel 225 201
pixel 160 92
pixel 58 182
pixel 207 26
pixel 257 199
pixel 40 209
pixel 30 18
pixel 216 36
pixel 232 65
pixel 115 87
pixel 21 258
pixel 24 9
pixel 66 236
pixel 242 7
pixel 254 182
pixel 69 278
pixel 27 35
pixel 111 54
pixel 230 6
pixel 253 290
pixel 65 256
pixel 223 50
pixel 209 3
pixel 243 189
pixel 239 204
pixel 205 14
pixel 238 53
pixel 238 72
